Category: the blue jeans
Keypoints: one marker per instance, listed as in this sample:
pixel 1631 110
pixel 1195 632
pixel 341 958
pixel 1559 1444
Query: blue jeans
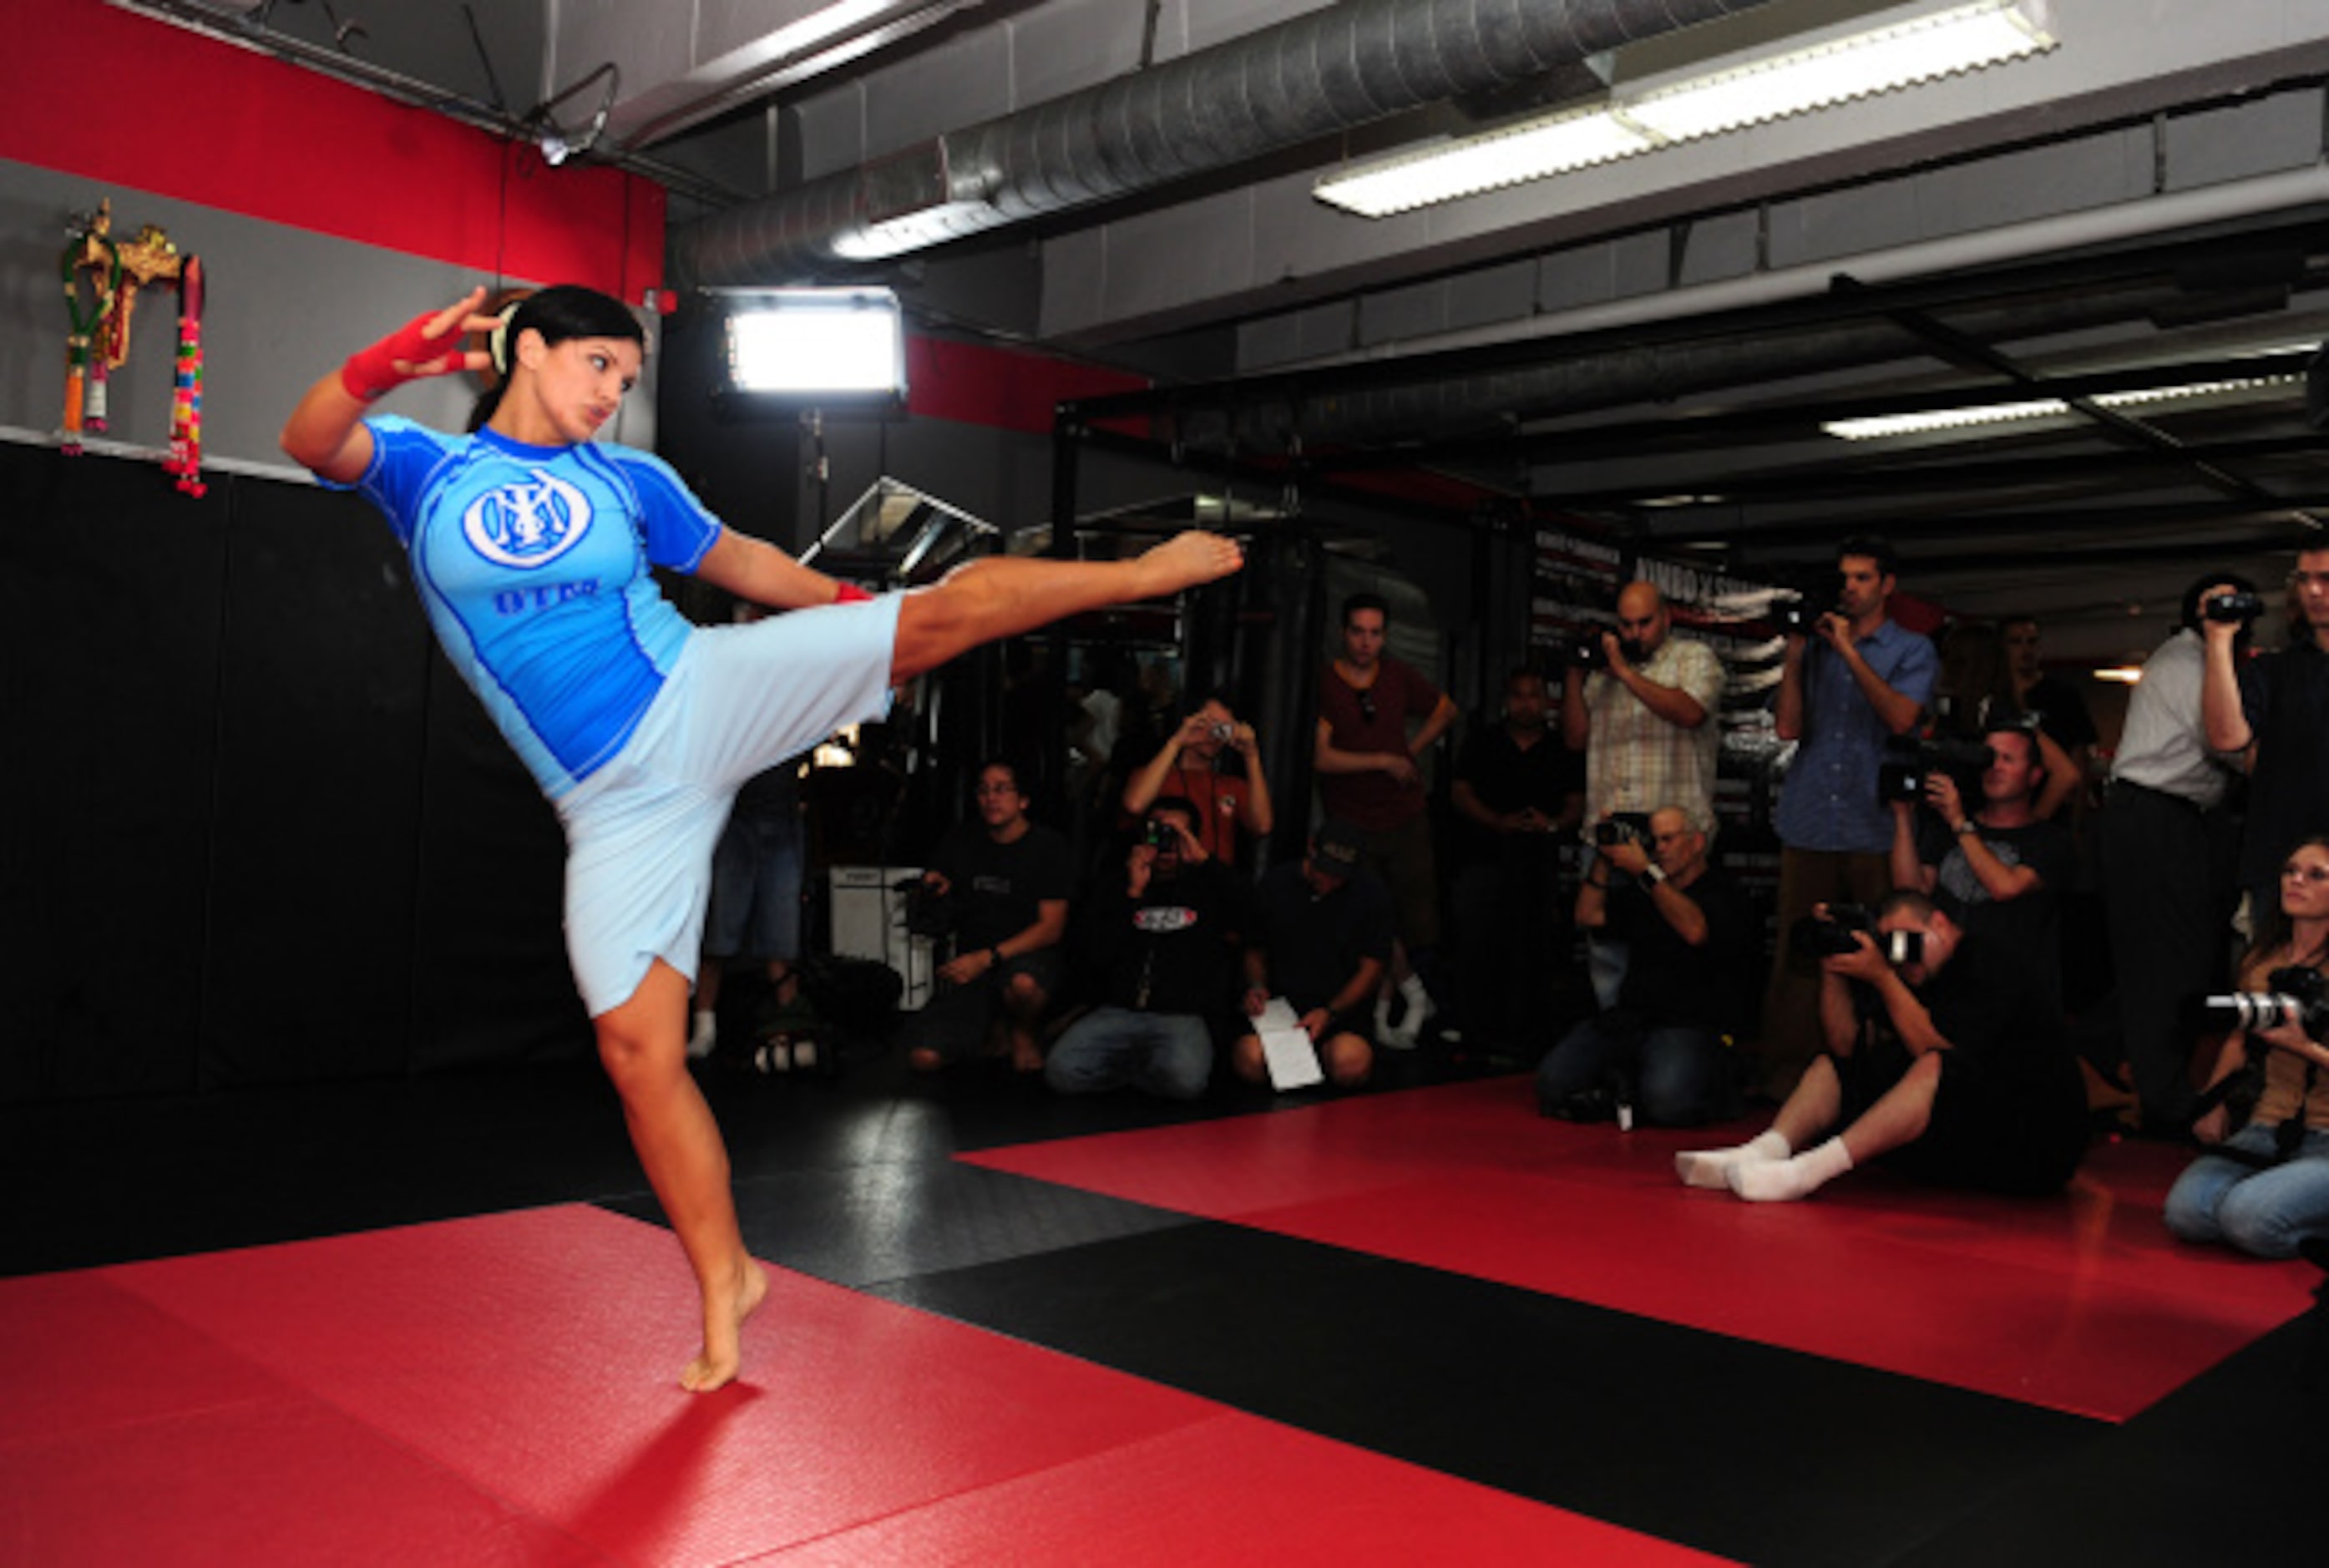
pixel 2266 1212
pixel 1680 1075
pixel 1167 1054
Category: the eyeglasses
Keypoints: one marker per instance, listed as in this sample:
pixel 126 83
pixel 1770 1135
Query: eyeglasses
pixel 2315 874
pixel 1367 705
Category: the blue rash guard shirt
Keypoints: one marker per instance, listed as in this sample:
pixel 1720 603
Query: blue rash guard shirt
pixel 533 563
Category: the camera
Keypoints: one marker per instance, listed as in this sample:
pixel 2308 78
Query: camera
pixel 1157 833
pixel 1901 776
pixel 1836 933
pixel 1815 597
pixel 1586 652
pixel 1622 828
pixel 1224 733
pixel 2298 995
pixel 2240 607
pixel 929 911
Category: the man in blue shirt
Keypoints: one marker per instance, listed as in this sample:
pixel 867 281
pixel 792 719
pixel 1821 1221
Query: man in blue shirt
pixel 1850 683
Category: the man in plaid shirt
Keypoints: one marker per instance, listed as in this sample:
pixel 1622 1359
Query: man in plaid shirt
pixel 1646 723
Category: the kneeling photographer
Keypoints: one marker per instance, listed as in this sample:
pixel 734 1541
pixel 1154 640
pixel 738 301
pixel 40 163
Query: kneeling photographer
pixel 1943 1057
pixel 2265 1189
pixel 1661 1053
pixel 1997 869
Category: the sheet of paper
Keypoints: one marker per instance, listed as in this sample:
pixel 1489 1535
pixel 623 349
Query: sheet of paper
pixel 1286 1046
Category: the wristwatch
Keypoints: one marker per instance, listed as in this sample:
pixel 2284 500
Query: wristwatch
pixel 996 955
pixel 1655 872
pixel 1967 826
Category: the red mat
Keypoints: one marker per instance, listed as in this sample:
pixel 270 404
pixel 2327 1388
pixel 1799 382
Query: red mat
pixel 2082 1302
pixel 499 1390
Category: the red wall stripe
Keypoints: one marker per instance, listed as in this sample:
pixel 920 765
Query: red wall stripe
pixel 1004 388
pixel 122 100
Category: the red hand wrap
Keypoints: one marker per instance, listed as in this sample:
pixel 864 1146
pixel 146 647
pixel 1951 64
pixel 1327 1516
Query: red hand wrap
pixel 850 594
pixel 370 372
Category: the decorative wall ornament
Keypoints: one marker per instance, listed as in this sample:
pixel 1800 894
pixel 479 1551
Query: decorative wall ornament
pixel 98 339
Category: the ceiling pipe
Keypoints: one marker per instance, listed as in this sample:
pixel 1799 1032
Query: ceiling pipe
pixel 1329 71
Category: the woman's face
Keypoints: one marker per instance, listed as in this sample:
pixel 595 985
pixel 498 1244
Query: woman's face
pixel 2305 883
pixel 578 384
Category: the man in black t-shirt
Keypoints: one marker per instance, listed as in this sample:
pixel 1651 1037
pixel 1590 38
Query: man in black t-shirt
pixel 1948 1064
pixel 1519 795
pixel 1692 941
pixel 1322 939
pixel 1998 870
pixel 1006 884
pixel 1159 934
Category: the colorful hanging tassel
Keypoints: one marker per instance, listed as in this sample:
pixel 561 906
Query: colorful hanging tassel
pixel 85 398
pixel 185 459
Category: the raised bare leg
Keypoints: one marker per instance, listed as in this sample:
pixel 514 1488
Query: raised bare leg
pixel 642 1046
pixel 1002 595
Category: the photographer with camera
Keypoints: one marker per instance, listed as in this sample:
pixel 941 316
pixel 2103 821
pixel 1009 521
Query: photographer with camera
pixel 1189 766
pixel 2273 714
pixel 2265 1189
pixel 1690 937
pixel 1852 678
pixel 1160 934
pixel 1998 870
pixel 1645 717
pixel 1943 1057
pixel 1005 885
pixel 2168 842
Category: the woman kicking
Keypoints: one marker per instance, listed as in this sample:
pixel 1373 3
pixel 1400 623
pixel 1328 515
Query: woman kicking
pixel 532 546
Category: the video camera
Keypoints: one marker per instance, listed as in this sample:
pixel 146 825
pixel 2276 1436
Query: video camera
pixel 1622 828
pixel 1901 776
pixel 1836 933
pixel 2240 607
pixel 1817 595
pixel 2298 995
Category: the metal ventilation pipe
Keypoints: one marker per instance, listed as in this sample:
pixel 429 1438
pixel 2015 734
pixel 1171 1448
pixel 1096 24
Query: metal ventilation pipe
pixel 1328 70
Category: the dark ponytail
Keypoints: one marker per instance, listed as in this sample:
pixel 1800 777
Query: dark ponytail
pixel 562 312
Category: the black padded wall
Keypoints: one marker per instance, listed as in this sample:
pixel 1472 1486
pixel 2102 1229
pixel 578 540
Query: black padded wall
pixel 109 686
pixel 252 829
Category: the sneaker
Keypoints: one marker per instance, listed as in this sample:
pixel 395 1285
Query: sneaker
pixel 705 1034
pixel 776 1056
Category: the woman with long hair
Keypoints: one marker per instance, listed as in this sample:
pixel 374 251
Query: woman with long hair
pixel 2266 1188
pixel 531 545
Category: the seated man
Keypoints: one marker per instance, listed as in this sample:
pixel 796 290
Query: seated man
pixel 1005 882
pixel 1999 870
pixel 1159 934
pixel 1321 939
pixel 1959 1073
pixel 1691 941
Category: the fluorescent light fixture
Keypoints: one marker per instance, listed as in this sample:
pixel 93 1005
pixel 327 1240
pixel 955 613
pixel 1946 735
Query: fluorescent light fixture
pixel 1978 415
pixel 1464 168
pixel 2120 674
pixel 1862 65
pixel 817 343
pixel 1925 48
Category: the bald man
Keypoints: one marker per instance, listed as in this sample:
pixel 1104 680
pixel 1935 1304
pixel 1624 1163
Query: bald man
pixel 1647 725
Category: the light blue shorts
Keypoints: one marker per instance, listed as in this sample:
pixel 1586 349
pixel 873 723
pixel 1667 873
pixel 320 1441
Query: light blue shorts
pixel 640 831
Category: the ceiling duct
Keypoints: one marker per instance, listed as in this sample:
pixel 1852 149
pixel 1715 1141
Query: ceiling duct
pixel 1328 70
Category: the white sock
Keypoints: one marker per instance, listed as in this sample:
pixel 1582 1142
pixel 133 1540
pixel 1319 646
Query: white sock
pixel 805 1054
pixel 1711 1167
pixel 705 1034
pixel 1411 988
pixel 1784 1181
pixel 776 1056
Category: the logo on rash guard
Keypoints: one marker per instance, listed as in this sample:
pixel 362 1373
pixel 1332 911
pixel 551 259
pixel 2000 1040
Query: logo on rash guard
pixel 1163 917
pixel 528 525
